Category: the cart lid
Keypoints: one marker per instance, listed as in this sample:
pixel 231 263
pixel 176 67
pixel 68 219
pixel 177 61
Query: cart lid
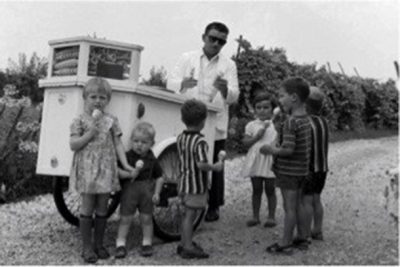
pixel 92 40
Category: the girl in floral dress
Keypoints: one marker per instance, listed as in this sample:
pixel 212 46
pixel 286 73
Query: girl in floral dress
pixel 96 142
pixel 258 166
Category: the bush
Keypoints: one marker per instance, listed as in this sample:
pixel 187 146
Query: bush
pixel 20 115
pixel 352 103
pixel 19 135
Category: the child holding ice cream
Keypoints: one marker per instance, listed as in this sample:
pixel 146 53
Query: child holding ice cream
pixel 140 189
pixel 257 166
pixel 95 139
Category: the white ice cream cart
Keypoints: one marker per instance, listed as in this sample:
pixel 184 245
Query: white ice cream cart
pixel 72 62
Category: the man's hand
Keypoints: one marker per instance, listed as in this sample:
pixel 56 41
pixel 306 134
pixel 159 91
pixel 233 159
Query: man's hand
pixel 221 85
pixel 188 83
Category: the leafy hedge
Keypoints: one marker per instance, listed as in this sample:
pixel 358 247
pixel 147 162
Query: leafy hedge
pixel 352 103
pixel 19 136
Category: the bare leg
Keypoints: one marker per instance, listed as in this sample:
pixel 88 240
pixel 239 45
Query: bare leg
pixel 289 204
pixel 271 196
pixel 301 216
pixel 147 228
pixel 256 183
pixel 309 210
pixel 318 213
pixel 123 230
pixel 187 228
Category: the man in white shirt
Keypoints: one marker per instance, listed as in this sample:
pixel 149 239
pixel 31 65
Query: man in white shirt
pixel 211 77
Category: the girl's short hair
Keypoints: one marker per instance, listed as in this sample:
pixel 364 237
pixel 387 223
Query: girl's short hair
pixel 265 97
pixel 145 128
pixel 97 84
pixel 193 112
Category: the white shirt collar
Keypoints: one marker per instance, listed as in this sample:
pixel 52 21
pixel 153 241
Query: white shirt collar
pixel 203 55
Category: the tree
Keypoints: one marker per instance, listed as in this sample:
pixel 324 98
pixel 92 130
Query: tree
pixel 25 74
pixel 158 77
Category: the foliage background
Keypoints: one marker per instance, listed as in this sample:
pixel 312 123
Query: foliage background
pixel 353 104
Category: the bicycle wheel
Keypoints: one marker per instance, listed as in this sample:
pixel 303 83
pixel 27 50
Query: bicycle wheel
pixel 168 213
pixel 68 202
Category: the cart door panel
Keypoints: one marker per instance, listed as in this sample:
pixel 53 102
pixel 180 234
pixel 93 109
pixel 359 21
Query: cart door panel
pixel 60 107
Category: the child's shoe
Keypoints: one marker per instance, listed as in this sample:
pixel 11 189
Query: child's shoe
pixel 301 243
pixel 120 252
pixel 102 253
pixel 194 253
pixel 252 223
pixel 89 256
pixel 317 236
pixel 179 248
pixel 146 251
pixel 278 249
pixel 270 223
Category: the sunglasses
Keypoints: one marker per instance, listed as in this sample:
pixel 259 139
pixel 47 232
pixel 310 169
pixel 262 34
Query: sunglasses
pixel 214 39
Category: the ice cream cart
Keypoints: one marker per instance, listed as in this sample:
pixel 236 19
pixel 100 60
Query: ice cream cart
pixel 72 62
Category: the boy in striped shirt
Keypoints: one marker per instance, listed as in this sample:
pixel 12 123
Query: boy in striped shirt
pixel 291 159
pixel 193 179
pixel 318 165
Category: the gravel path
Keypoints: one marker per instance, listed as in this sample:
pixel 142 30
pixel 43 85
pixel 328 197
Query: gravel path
pixel 358 230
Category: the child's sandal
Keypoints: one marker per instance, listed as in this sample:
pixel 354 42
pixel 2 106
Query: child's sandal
pixel 277 249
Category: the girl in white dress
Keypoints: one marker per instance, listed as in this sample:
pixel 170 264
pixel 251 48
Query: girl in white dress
pixel 257 166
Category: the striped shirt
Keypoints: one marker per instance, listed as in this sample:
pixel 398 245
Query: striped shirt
pixel 319 148
pixel 192 148
pixel 296 134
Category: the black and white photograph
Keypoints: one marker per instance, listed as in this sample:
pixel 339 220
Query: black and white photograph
pixel 199 132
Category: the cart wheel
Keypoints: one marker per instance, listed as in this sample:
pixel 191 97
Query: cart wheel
pixel 167 214
pixel 68 201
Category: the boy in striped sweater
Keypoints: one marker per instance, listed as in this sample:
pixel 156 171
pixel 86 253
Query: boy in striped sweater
pixel 318 165
pixel 194 168
pixel 291 159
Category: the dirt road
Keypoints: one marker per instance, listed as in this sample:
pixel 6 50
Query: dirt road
pixel 358 230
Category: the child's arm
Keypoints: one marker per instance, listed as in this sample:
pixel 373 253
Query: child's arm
pixel 119 147
pixel 157 191
pixel 217 167
pixel 283 150
pixel 286 148
pixel 123 174
pixel 77 142
pixel 249 140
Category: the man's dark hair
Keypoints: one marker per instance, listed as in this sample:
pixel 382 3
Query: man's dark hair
pixel 216 26
pixel 298 86
pixel 193 112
